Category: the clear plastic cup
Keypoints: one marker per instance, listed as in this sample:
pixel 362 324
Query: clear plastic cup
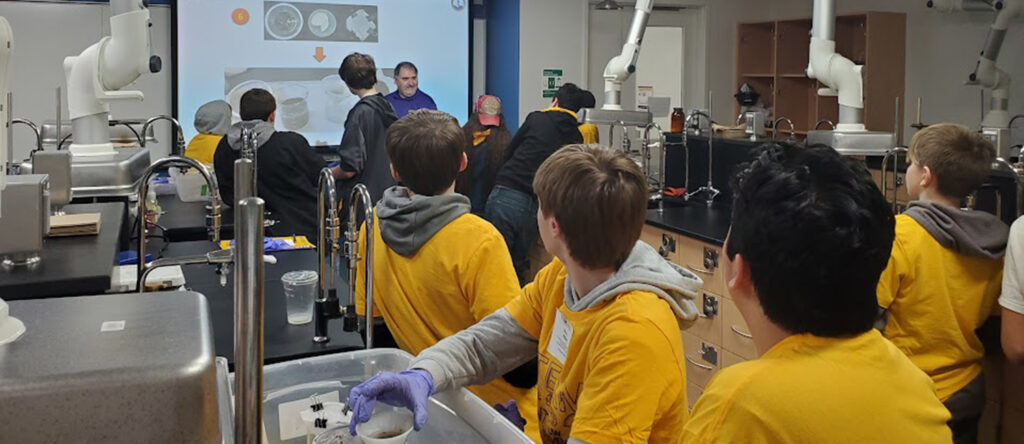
pixel 339 99
pixel 293 106
pixel 300 292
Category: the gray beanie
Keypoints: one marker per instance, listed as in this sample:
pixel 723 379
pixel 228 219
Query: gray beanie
pixel 214 118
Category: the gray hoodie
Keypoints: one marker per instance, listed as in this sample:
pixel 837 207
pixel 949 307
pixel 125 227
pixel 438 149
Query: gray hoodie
pixel 497 344
pixel 263 132
pixel 970 233
pixel 408 221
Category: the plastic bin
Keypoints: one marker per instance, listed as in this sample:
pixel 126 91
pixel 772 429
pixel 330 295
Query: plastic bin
pixel 455 416
pixel 190 186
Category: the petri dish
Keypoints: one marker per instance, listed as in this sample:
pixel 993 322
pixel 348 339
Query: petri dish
pixel 322 23
pixel 234 97
pixel 283 21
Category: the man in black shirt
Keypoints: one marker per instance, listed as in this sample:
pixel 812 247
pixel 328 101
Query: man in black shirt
pixel 288 169
pixel 512 206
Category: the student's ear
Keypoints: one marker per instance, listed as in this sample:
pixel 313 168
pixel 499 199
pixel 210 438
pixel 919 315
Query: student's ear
pixel 272 116
pixel 554 103
pixel 927 177
pixel 463 162
pixel 738 280
pixel 394 174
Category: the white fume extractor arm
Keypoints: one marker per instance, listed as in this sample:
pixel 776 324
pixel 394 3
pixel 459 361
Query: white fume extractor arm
pixel 840 74
pixel 620 67
pixel 987 74
pixel 95 77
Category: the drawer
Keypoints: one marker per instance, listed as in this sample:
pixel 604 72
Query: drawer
pixel 702 359
pixel 708 325
pixel 692 394
pixel 703 260
pixel 664 242
pixel 735 333
pixel 729 358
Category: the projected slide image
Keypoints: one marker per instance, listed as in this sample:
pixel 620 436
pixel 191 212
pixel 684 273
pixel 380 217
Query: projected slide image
pixel 320 22
pixel 294 49
pixel 309 100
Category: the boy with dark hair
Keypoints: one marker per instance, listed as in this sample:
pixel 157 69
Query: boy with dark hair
pixel 288 167
pixel 810 235
pixel 944 274
pixel 364 159
pixel 603 318
pixel 512 205
pixel 437 268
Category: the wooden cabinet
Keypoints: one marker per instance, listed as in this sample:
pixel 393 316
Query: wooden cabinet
pixel 772 57
pixel 711 342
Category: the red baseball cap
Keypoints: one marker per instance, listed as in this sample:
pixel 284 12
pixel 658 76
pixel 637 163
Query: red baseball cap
pixel 489 110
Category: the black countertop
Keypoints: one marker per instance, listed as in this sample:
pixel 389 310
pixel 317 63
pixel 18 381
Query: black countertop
pixel 186 221
pixel 281 340
pixel 71 266
pixel 694 220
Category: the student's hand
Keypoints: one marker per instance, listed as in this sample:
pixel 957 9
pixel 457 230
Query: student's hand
pixel 409 389
pixel 510 410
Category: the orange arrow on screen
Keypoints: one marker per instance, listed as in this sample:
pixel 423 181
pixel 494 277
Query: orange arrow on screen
pixel 319 56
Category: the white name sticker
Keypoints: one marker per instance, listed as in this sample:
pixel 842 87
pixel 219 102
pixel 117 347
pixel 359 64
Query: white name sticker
pixel 111 326
pixel 561 336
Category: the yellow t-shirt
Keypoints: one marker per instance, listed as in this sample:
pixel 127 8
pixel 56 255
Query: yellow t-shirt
pixel 202 147
pixel 810 389
pixel 458 277
pixel 936 298
pixel 622 379
pixel 589 132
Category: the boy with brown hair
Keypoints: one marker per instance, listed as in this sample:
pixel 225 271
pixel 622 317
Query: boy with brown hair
pixel 437 268
pixel 944 272
pixel 363 156
pixel 603 318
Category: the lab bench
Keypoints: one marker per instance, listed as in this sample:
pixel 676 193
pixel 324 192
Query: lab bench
pixel 281 340
pixel 71 266
pixel 692 235
pixel 186 221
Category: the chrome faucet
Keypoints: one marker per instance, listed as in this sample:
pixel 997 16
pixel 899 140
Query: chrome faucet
pixel 660 192
pixel 327 307
pixel 211 182
pixel 178 149
pixel 829 122
pixel 792 129
pixel 221 258
pixel 710 189
pixel 34 128
pixel 695 115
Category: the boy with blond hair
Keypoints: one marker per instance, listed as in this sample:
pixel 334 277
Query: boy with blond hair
pixel 603 318
pixel 944 273
pixel 437 268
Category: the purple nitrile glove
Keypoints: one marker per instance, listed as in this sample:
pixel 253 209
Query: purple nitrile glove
pixel 511 412
pixel 409 389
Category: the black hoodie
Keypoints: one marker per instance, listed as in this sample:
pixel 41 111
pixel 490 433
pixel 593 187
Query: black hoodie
pixel 286 176
pixel 362 147
pixel 543 133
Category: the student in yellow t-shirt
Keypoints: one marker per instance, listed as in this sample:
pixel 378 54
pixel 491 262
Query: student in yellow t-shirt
pixel 437 268
pixel 213 120
pixel 603 318
pixel 944 274
pixel 810 235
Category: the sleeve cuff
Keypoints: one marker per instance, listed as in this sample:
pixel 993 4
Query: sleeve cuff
pixel 1015 304
pixel 442 381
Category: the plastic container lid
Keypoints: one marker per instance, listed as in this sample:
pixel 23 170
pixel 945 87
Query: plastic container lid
pixel 10 328
pixel 301 277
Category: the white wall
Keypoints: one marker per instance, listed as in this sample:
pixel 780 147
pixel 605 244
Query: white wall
pixel 942 50
pixel 716 22
pixel 45 33
pixel 552 34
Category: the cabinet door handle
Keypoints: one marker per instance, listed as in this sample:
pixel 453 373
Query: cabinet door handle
pixel 699 270
pixel 699 365
pixel 741 332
